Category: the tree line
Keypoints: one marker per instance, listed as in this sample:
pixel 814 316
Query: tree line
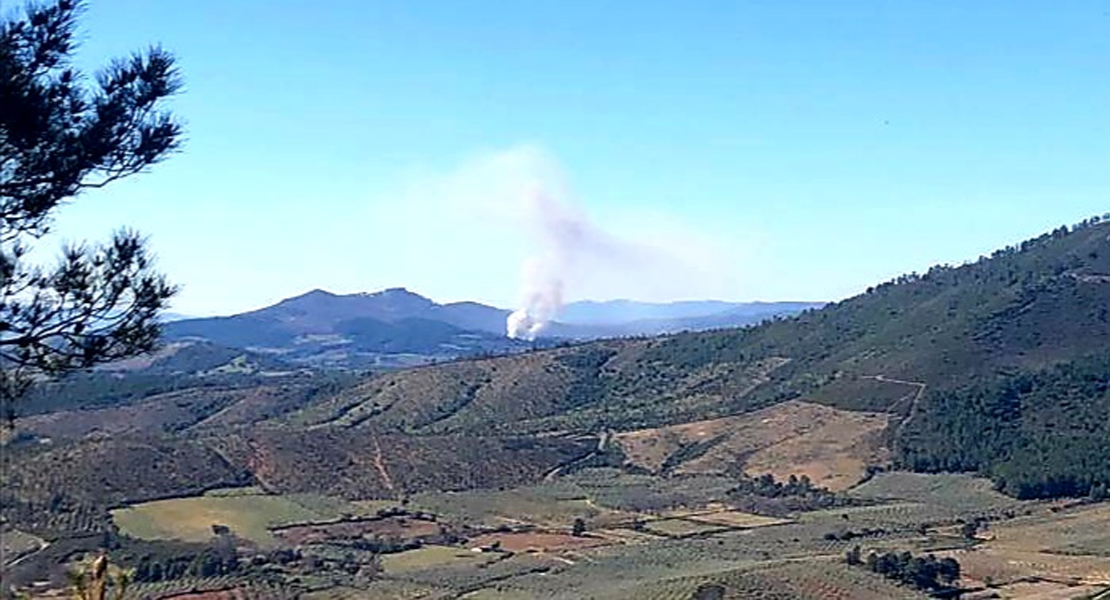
pixel 1037 434
pixel 926 573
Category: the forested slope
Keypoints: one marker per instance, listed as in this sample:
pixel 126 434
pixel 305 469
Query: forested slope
pixel 917 347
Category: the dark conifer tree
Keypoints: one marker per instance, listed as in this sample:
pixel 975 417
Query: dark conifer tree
pixel 62 133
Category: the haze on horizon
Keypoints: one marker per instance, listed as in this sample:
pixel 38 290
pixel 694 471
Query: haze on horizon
pixel 746 151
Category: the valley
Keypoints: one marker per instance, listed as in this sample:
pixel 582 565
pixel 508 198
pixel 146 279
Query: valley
pixel 602 533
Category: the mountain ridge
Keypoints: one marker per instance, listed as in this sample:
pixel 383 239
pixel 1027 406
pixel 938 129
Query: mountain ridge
pixel 397 327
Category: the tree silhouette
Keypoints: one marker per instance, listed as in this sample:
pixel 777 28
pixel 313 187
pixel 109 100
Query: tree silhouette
pixel 61 134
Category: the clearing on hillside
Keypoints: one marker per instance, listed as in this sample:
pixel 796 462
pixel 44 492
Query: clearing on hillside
pixel 549 506
pixel 833 447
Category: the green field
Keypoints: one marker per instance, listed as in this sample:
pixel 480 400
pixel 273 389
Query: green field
pixel 434 557
pixel 681 527
pixel 191 519
pixel 251 490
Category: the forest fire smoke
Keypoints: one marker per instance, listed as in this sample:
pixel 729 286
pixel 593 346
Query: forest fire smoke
pixel 566 237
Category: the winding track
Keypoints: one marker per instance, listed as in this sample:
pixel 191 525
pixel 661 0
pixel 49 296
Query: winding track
pixel 921 386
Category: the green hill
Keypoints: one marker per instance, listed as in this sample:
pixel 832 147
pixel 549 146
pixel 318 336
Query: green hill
pixel 909 347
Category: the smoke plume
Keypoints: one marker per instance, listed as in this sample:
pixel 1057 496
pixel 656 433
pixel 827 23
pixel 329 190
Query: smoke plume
pixel 511 213
pixel 565 238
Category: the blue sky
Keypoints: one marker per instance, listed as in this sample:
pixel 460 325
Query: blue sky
pixel 771 150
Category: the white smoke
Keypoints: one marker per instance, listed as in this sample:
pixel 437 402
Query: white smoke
pixel 541 303
pixel 564 236
pixel 509 216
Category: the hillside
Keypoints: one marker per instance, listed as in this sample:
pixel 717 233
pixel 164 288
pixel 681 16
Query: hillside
pixel 173 367
pixel 900 348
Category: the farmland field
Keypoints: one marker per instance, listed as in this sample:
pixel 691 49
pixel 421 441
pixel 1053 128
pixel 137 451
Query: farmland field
pixel 191 519
pixel 1067 548
pixel 1042 590
pixel 1006 566
pixel 535 541
pixel 792 580
pixel 549 505
pixel 1084 530
pixel 831 580
pixel 627 492
pixel 387 588
pixel 739 520
pixel 652 536
pixel 213 588
pixel 434 557
pixel 678 528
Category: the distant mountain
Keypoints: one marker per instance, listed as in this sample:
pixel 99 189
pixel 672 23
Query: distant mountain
pixel 472 315
pixel 615 312
pixel 320 312
pixel 618 318
pixel 391 328
pixel 396 327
